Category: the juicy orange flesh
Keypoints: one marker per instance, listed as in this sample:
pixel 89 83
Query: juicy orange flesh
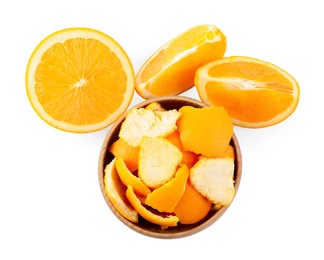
pixel 250 70
pixel 187 40
pixel 170 81
pixel 243 99
pixel 245 104
pixel 67 75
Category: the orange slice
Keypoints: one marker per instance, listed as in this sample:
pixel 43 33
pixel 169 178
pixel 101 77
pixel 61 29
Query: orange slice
pixel 171 69
pixel 128 153
pixel 255 93
pixel 79 80
pixel 192 206
pixel 148 215
pixel 116 192
pixel 205 131
pixel 165 198
pixel 129 179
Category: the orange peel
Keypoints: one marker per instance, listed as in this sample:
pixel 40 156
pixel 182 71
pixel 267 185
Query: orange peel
pixel 169 221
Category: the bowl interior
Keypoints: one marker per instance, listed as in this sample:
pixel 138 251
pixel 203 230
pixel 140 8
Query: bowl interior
pixel 144 227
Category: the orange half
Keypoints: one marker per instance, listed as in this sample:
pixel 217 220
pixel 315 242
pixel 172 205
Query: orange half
pixel 79 80
pixel 255 93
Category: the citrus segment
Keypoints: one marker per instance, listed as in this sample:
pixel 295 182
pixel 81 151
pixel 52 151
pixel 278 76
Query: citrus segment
pixel 192 206
pixel 116 192
pixel 171 69
pixel 128 153
pixel 158 161
pixel 213 178
pixel 148 215
pixel 205 131
pixel 79 80
pixel 166 197
pixel 128 179
pixel 255 93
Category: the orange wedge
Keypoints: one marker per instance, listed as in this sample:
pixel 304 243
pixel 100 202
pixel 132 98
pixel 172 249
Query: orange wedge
pixel 166 197
pixel 148 215
pixel 116 192
pixel 79 80
pixel 255 93
pixel 171 69
pixel 128 179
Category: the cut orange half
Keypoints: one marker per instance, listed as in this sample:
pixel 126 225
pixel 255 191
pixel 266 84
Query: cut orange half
pixel 171 69
pixel 79 80
pixel 255 93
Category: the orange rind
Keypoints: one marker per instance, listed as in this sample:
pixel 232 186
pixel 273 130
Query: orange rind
pixel 157 124
pixel 213 178
pixel 129 154
pixel 206 131
pixel 129 179
pixel 192 206
pixel 116 193
pixel 158 161
pixel 166 197
pixel 169 221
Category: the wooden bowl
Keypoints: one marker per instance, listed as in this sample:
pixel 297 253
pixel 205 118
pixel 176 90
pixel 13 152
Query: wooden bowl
pixel 144 227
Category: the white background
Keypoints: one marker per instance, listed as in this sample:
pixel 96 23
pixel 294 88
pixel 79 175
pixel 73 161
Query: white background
pixel 51 206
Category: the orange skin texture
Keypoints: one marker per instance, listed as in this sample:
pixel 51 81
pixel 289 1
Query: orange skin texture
pixel 206 131
pixel 129 154
pixel 192 206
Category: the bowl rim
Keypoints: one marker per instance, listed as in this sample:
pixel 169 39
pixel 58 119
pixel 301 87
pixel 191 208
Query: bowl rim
pixel 158 233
